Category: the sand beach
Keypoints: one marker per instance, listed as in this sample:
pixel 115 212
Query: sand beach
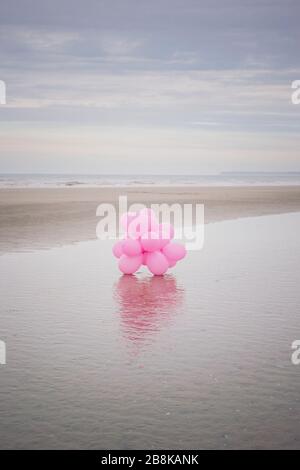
pixel 44 217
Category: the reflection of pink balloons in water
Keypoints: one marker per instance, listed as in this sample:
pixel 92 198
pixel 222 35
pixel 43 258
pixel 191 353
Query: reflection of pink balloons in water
pixel 146 303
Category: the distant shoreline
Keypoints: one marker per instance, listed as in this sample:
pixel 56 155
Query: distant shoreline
pixel 34 218
pixel 91 181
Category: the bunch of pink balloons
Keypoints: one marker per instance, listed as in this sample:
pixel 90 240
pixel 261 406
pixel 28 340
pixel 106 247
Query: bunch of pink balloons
pixel 147 243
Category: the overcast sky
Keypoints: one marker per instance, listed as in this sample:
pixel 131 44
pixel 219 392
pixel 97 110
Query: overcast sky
pixel 140 86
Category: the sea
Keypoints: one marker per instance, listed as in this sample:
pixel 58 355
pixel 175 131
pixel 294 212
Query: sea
pixel 97 180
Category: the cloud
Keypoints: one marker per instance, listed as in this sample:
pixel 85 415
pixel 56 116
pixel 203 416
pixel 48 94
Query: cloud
pixel 185 92
pixel 174 72
pixel 118 46
pixel 135 150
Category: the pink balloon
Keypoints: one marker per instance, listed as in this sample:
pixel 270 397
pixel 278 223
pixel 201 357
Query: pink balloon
pixel 144 255
pixel 148 221
pixel 127 218
pixel 147 243
pixel 150 241
pixel 157 263
pixel 130 264
pixel 118 248
pixel 144 221
pixel 149 214
pixel 174 251
pixel 131 247
pixel 135 229
pixel 166 233
pixel 172 263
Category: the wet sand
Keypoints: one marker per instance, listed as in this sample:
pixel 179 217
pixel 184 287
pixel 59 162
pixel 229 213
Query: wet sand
pixel 197 359
pixel 42 217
